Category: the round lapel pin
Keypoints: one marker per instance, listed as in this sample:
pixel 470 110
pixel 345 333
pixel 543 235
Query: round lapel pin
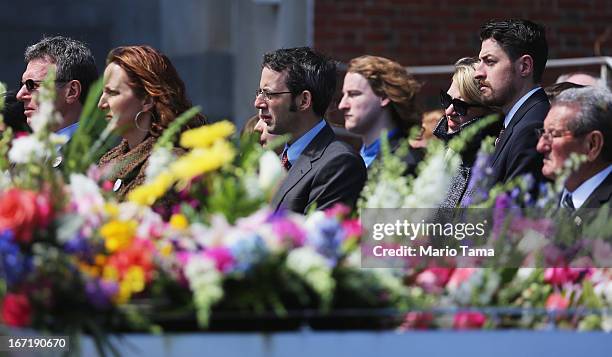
pixel 117 185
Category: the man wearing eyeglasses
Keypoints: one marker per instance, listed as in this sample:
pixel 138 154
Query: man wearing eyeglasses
pixel 75 72
pixel 294 92
pixel 579 124
pixel 512 59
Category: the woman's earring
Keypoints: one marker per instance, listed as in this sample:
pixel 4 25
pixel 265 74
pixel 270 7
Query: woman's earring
pixel 136 121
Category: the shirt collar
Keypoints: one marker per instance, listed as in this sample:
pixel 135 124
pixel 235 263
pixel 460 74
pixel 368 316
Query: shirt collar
pixel 295 150
pixel 369 153
pixel 69 130
pixel 582 193
pixel 517 105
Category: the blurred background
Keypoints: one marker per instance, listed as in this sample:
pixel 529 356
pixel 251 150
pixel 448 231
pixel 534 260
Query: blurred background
pixel 217 45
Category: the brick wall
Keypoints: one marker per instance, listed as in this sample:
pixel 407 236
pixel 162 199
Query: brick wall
pixel 418 33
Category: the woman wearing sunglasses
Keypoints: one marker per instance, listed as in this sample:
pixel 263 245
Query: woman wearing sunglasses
pixel 463 107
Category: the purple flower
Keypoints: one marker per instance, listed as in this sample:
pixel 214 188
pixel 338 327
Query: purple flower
pixel 100 292
pixel 289 232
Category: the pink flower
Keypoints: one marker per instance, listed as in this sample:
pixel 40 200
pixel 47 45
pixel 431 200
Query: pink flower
pixel 222 257
pixel 469 320
pixel 338 210
pixel 417 320
pixel 560 276
pixel 353 228
pixel 434 279
pixel 290 232
pixel 16 310
pixel 557 301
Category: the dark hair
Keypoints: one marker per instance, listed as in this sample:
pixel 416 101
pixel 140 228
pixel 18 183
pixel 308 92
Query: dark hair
pixel 519 37
pixel 553 90
pixel 306 70
pixel 151 74
pixel 12 113
pixel 594 113
pixel 73 59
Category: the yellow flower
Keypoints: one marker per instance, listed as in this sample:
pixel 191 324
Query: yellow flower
pixel 100 259
pixel 166 249
pixel 110 273
pixel 204 136
pixel 199 161
pixel 148 193
pixel 111 209
pixel 118 234
pixel 124 294
pixel 178 221
pixel 135 279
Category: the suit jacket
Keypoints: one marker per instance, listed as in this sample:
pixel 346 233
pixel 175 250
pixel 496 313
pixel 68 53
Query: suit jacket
pixel 601 195
pixel 328 171
pixel 515 154
pixel 412 159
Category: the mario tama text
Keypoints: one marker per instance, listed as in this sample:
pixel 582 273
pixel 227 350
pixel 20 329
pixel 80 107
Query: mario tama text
pixel 429 251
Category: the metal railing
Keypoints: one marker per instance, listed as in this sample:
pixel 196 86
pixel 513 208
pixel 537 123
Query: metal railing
pixel 605 64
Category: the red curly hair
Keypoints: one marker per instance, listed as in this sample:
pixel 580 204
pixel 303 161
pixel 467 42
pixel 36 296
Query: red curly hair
pixel 151 74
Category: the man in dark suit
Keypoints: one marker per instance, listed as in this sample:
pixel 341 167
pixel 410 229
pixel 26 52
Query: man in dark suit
pixel 579 123
pixel 512 59
pixel 295 89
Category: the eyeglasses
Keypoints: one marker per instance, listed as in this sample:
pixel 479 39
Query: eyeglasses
pixel 32 85
pixel 460 106
pixel 267 95
pixel 549 135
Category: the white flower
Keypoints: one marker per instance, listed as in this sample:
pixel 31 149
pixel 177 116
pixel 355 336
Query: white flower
pixel 532 241
pixel 27 149
pixel 312 267
pixel 270 171
pixel 206 283
pixel 5 180
pixel 431 185
pixel 159 161
pixel 524 273
pixel 85 194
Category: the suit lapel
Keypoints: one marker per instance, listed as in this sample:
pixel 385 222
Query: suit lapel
pixel 534 99
pixel 304 163
pixel 601 195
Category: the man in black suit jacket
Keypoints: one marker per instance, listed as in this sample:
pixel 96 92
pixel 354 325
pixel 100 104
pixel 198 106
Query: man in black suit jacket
pixel 579 123
pixel 512 59
pixel 295 90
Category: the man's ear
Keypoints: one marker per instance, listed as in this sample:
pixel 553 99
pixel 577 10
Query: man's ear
pixel 594 142
pixel 304 100
pixel 525 65
pixel 72 91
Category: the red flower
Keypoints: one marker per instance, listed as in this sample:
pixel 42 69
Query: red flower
pixel 434 279
pixel 560 276
pixel 16 310
pixel 469 320
pixel 22 212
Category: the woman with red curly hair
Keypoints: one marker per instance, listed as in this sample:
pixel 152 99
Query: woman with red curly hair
pixel 143 91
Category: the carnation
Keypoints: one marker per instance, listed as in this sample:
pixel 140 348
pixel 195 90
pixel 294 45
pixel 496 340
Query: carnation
pixel 27 149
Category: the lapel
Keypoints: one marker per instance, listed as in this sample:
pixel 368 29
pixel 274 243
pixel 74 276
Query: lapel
pixel 304 163
pixel 537 97
pixel 601 195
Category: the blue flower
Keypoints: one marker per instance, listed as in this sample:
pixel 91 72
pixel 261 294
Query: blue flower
pixel 13 264
pixel 248 251
pixel 327 238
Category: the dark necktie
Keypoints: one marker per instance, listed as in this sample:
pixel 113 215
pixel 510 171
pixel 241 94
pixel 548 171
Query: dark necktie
pixel 567 203
pixel 499 137
pixel 285 161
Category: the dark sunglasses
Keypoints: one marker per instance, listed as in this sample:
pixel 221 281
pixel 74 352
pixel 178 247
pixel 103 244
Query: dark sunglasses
pixel 32 85
pixel 460 106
